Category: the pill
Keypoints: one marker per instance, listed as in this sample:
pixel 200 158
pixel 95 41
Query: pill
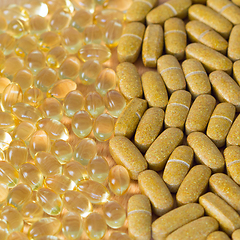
pixel 177 167
pixel 177 109
pixel 130 117
pixel 175 219
pixel 200 32
pixel 92 34
pixel 211 59
pixel 129 80
pixel 226 188
pixel 162 147
pixel 236 71
pixel 227 217
pixel 233 47
pixel 171 72
pixel 125 153
pixel 198 229
pixel 154 89
pixel 217 235
pixel 172 8
pixel 206 152
pixel 196 77
pixel 119 236
pixel 139 217
pixel 236 235
pixel 152 47
pixel 175 37
pixel 233 137
pixel 220 123
pixel 17 236
pixel 130 43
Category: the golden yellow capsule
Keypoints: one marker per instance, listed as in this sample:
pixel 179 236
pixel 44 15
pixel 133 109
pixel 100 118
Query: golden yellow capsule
pixel 233 134
pixel 7 121
pixel 62 150
pixel 17 236
pixel 3 24
pixel 88 5
pixel 92 34
pixel 9 175
pixel 4 190
pixel 35 7
pixel 7 43
pixel 233 48
pixel 33 96
pixel 15 11
pixel 48 40
pixel 56 56
pixel 118 236
pixel 81 19
pixel 5 140
pixel 2 155
pixel 217 235
pixel 236 235
pixel 32 212
pixel 24 78
pixel 24 131
pixel 35 61
pixel 25 45
pixel 4 82
pixel 38 25
pixel 16 28
pixel 69 69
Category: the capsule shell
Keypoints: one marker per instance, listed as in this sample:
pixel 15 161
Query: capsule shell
pixel 217 235
pixel 233 46
pixel 233 137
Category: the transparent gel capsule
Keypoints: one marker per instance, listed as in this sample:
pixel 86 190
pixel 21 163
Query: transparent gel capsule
pixel 7 121
pixel 15 11
pixel 24 78
pixel 52 108
pixel 55 129
pixel 29 174
pixel 81 19
pixel 95 226
pixel 98 169
pixel 33 96
pixel 76 202
pixel 73 102
pixel 38 25
pixel 25 45
pixel 17 153
pixel 49 40
pixel 4 230
pixel 92 34
pixel 35 61
pixel 2 59
pixel 3 24
pixel 35 7
pixel 56 56
pixel 39 142
pixel 119 236
pixel 60 19
pixel 118 180
pixel 43 227
pixel 69 68
pixel 8 174
pixel 114 214
pixel 88 5
pixel 5 139
pixel 4 82
pixel 122 5
pixel 72 226
pixel 48 237
pixel 16 28
pixel 32 212
pixel 17 236
pixel 47 164
pixel 62 150
pixel 101 2
pixel 2 156
pixel 96 192
pixel 7 43
pixel 24 131
pixel 3 194
pixel 55 4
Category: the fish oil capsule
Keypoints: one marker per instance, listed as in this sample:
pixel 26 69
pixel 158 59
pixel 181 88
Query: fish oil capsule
pixel 96 192
pixel 162 147
pixel 118 236
pixel 32 212
pixel 24 131
pixel 85 150
pixel 130 42
pixel 30 175
pixel 139 217
pixel 2 156
pixel 48 40
pixel 4 82
pixel 82 124
pixel 129 80
pixel 75 201
pixel 3 24
pixel 35 7
pixel 177 109
pixel 33 96
pixel 81 19
pixel 35 61
pixel 88 5
pixel 202 33
pixel 17 236
pixel 233 134
pixel 9 175
pixel 206 152
pixel 24 78
pixel 92 34
pixel 7 43
pixel 16 28
pixel 177 167
pixel 4 190
pixel 95 226
pixel 211 59
pixel 2 59
pixel 218 235
pixel 72 226
pixel 5 140
pixel 69 68
pixel 233 49
pixel 60 19
pixel 8 122
pixel 56 56
pixel 98 169
pixel 169 67
pixel 62 150
pixel 38 25
pixel 15 11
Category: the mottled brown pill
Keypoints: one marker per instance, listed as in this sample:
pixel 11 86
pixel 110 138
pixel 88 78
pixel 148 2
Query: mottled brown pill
pixel 130 117
pixel 162 147
pixel 236 71
pixel 233 137
pixel 177 109
pixel 152 185
pixel 175 219
pixel 212 60
pixel 125 153
pixel 139 217
pixel 236 235
pixel 149 128
pixel 214 206
pixel 129 80
pixel 152 47
pixel 206 152
pixel 220 123
pixel 154 89
pixel 233 43
pixel 130 43
pixel 200 113
pixel 171 72
pixel 218 235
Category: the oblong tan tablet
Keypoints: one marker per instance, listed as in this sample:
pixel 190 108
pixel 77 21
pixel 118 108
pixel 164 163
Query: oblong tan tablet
pixel 154 89
pixel 139 214
pixel 211 59
pixel 233 137
pixel 171 72
pixel 129 80
pixel 226 188
pixel 177 167
pixel 175 37
pixel 236 235
pixel 162 147
pixel 177 109
pixel 214 206
pixel 198 229
pixel 200 113
pixel 148 128
pixel 206 152
pixel 200 32
pixel 172 8
pixel 129 118
pixel 233 44
pixel 220 123
pixel 125 153
pixel 152 185
pixel 211 18
pixel 236 71
pixel 218 235
pixel 152 47
pixel 225 88
pixel 130 43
